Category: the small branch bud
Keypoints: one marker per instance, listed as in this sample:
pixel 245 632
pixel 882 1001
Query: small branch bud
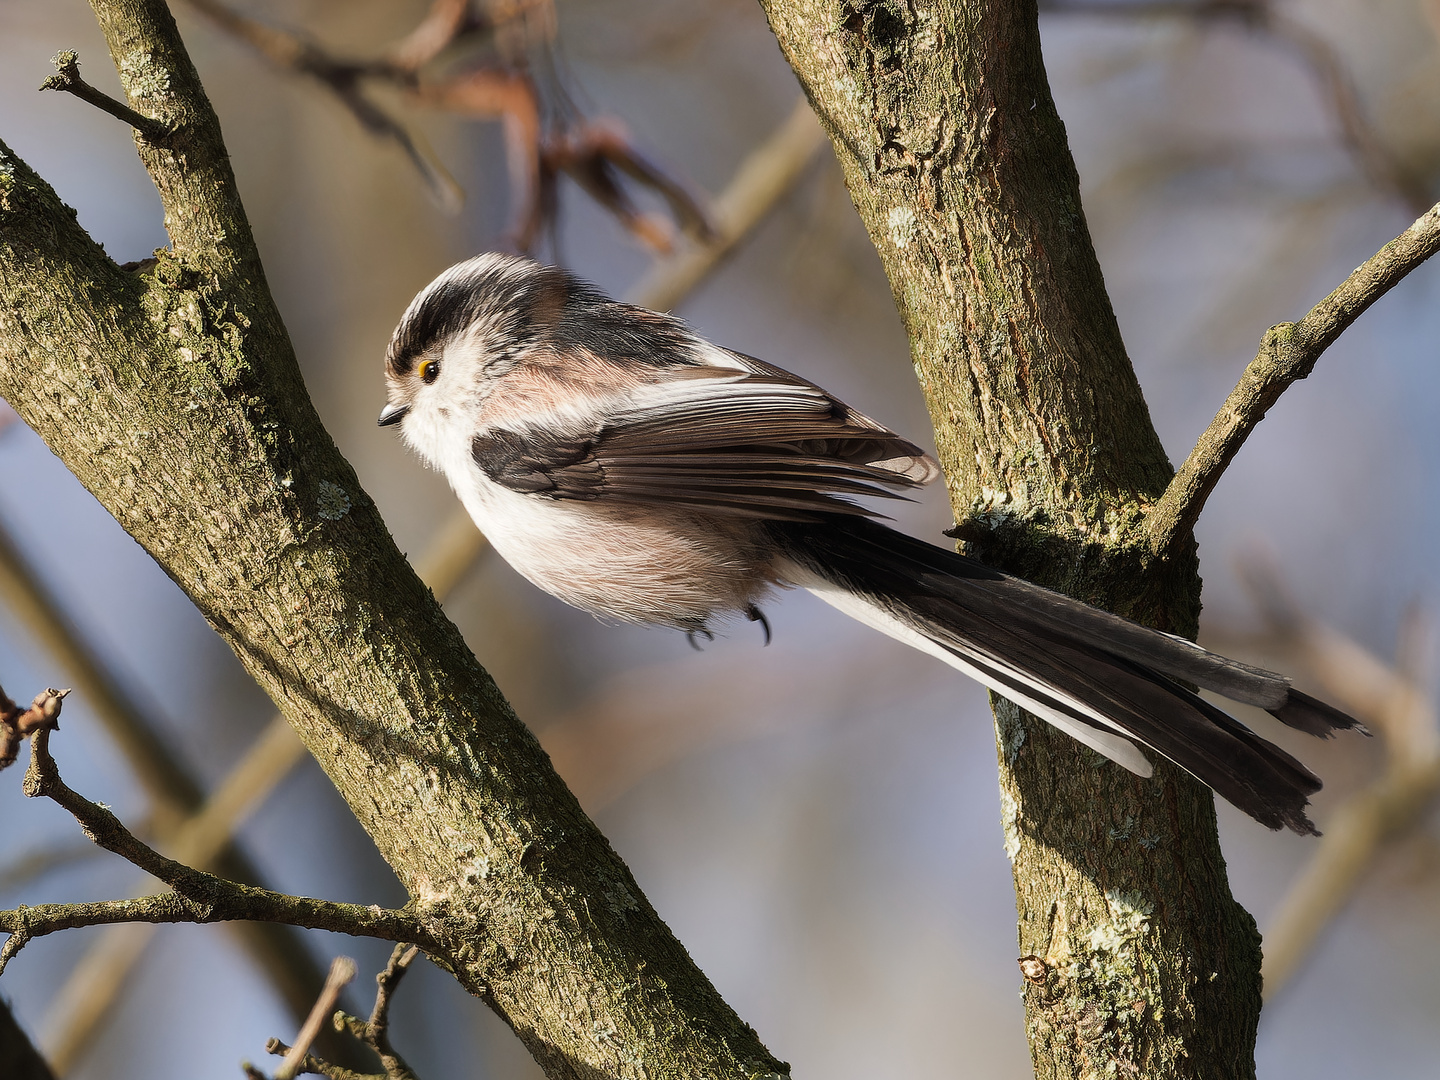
pixel 42 715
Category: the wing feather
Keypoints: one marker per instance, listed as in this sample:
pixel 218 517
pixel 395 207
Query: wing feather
pixel 753 442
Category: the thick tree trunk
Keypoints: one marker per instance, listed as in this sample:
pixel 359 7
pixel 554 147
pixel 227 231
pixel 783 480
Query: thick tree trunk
pixel 942 118
pixel 172 393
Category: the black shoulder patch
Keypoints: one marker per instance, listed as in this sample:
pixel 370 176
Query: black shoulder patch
pixel 558 465
pixel 612 330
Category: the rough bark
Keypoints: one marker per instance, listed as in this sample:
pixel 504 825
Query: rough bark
pixel 172 392
pixel 955 156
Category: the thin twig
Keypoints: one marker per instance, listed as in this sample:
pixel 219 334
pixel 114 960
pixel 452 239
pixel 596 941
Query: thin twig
pixel 67 78
pixel 377 1029
pixel 309 1065
pixel 97 979
pixel 17 724
pixel 1288 353
pixel 198 897
pixel 374 1033
pixel 212 900
pixel 342 972
pixel 174 795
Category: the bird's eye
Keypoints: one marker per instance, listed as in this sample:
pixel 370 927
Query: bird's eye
pixel 429 371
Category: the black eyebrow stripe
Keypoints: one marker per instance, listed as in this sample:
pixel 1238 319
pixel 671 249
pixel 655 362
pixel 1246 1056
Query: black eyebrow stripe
pixel 444 312
pixel 524 306
pixel 451 307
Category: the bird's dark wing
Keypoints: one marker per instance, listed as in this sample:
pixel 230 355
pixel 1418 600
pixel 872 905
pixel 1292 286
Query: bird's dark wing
pixel 727 440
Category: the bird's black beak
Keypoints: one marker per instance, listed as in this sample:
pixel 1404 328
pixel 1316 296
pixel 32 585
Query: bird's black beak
pixel 393 414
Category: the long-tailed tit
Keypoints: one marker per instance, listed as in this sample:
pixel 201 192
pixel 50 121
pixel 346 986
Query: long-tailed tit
pixel 637 471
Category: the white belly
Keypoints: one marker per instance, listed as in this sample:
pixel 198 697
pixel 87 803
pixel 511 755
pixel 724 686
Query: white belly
pixel 635 564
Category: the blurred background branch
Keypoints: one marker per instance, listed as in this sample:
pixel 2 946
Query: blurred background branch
pixel 1268 20
pixel 545 134
pixel 1396 702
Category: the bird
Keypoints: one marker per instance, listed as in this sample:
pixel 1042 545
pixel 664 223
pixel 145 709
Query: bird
pixel 635 470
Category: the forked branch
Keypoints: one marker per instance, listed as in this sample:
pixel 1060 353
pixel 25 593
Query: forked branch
pixel 198 897
pixel 374 1033
pixel 1288 353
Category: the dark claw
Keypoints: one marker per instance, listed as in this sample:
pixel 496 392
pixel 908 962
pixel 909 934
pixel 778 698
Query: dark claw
pixel 690 636
pixel 754 614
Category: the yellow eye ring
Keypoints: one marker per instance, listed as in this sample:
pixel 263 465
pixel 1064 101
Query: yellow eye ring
pixel 429 370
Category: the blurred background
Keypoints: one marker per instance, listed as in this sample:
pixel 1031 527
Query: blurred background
pixel 818 819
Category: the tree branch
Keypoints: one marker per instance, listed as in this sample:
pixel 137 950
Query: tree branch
pixel 17 724
pixel 175 796
pixel 67 78
pixel 174 396
pixel 222 901
pixel 1288 353
pixel 198 897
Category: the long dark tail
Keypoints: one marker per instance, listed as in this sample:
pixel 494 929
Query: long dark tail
pixel 1105 680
